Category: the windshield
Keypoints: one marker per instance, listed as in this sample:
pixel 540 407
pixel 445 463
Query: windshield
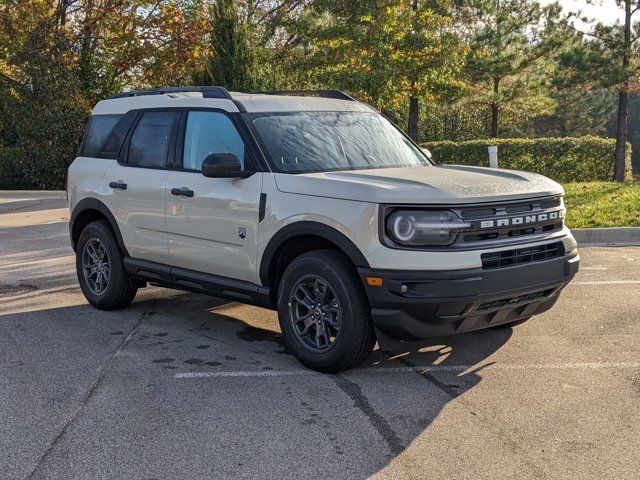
pixel 304 142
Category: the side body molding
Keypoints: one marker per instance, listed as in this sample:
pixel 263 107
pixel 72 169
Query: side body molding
pixel 309 228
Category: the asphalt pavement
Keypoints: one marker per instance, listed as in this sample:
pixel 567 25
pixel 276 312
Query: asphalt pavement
pixel 188 386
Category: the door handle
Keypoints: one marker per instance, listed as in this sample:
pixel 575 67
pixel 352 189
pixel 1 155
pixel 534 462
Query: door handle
pixel 118 185
pixel 185 192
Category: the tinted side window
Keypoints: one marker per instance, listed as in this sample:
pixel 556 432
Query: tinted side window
pixel 207 133
pixel 99 127
pixel 152 139
pixel 111 147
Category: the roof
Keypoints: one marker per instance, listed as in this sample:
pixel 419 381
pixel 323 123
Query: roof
pixel 256 102
pixel 230 101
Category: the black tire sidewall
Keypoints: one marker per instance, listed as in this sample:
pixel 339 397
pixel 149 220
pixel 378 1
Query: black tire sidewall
pixel 119 292
pixel 351 304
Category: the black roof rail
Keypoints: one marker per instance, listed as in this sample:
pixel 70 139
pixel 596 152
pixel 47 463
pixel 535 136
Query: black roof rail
pixel 207 92
pixel 336 94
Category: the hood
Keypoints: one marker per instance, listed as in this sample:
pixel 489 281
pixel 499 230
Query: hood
pixel 442 184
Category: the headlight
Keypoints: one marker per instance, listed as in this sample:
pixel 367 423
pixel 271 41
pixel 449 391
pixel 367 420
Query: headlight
pixel 424 227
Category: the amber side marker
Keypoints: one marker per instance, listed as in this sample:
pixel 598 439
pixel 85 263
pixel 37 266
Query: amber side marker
pixel 374 281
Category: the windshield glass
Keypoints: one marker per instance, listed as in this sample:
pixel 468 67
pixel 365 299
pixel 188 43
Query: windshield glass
pixel 304 142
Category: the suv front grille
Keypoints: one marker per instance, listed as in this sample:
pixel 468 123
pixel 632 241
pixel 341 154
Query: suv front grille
pixel 508 258
pixel 508 221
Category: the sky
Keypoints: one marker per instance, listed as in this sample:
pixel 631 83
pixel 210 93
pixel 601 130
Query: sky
pixel 604 11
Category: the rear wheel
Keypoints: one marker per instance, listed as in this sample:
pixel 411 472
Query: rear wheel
pixel 323 311
pixel 101 273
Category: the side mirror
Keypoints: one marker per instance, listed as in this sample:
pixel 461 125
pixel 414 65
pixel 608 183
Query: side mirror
pixel 223 165
pixel 427 153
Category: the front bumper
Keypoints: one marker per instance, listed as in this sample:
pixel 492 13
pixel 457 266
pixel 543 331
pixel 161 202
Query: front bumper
pixel 414 305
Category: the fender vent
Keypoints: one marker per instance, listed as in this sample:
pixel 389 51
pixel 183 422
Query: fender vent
pixel 508 258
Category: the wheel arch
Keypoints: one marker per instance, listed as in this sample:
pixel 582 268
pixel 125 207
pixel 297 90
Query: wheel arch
pixel 90 210
pixel 315 235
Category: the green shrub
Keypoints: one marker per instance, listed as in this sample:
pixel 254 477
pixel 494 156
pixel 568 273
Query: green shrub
pixel 46 110
pixel 12 175
pixel 580 159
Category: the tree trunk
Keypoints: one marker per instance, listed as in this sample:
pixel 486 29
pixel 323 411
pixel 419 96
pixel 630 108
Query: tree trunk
pixel 623 96
pixel 494 108
pixel 414 106
pixel 621 134
pixel 494 120
pixel 414 115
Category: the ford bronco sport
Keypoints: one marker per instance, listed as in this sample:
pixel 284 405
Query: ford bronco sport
pixel 313 204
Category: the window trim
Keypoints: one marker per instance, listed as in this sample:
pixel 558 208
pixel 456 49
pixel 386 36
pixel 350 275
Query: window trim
pixel 255 160
pixel 127 120
pixel 123 157
pixel 88 129
pixel 249 161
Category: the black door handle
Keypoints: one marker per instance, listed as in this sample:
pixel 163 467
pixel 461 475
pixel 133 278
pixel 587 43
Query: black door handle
pixel 182 192
pixel 118 186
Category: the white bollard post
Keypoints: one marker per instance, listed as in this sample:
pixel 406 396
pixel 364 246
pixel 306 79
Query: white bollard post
pixel 493 156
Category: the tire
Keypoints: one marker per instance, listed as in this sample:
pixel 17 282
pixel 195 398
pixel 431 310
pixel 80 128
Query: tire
pixel 97 240
pixel 344 304
pixel 514 323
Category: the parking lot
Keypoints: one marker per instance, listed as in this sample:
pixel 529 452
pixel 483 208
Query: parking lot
pixel 187 386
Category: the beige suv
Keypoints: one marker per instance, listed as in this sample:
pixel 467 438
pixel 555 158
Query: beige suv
pixel 313 204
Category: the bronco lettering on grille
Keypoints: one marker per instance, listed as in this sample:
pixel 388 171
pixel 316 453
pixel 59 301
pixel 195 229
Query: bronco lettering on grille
pixel 522 220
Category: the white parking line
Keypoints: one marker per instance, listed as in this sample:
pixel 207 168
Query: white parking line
pixel 419 369
pixel 607 282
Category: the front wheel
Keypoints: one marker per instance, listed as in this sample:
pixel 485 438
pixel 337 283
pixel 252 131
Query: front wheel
pixel 324 313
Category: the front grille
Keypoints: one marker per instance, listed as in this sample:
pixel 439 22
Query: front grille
pixel 508 221
pixel 516 232
pixel 508 258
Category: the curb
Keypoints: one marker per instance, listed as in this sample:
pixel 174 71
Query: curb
pixel 614 236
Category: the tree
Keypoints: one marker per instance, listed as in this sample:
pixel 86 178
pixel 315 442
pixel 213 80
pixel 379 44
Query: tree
pixel 608 57
pixel 620 45
pixel 234 61
pixel 388 53
pixel 48 111
pixel 581 104
pixel 165 44
pixel 633 128
pixel 509 41
pixel 59 57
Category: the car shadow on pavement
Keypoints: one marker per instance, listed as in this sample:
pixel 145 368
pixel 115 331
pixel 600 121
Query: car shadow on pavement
pixel 398 393
pixel 390 400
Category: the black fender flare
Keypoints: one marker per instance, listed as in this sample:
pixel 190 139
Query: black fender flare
pixel 95 204
pixel 309 228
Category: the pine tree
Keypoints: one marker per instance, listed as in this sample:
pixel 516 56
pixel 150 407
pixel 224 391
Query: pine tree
pixel 510 39
pixel 234 62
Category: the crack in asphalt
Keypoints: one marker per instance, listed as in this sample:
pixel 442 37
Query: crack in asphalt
pixel 493 424
pixel 90 391
pixel 430 378
pixel 361 402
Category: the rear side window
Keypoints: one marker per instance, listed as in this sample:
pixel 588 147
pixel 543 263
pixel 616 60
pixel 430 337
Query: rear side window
pixel 111 147
pixel 152 139
pixel 99 127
